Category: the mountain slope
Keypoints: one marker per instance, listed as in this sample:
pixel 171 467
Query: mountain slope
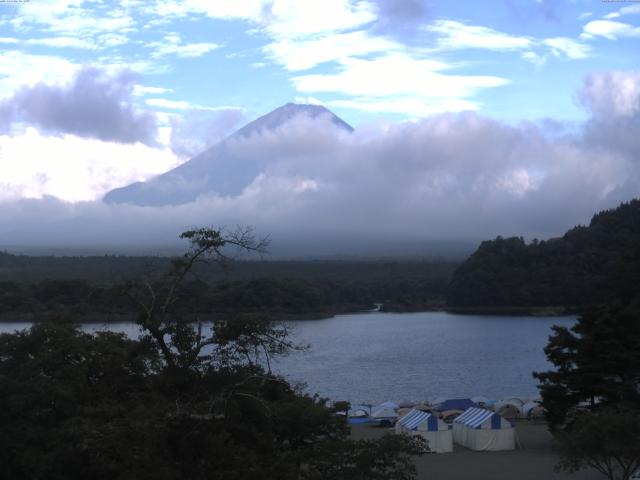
pixel 587 265
pixel 219 169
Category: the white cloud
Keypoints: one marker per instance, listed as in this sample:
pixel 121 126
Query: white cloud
pixel 279 18
pixel 147 90
pixel 612 94
pixel 395 80
pixel 238 9
pixel 295 19
pixel 568 47
pixel 609 29
pixel 111 40
pixel 8 40
pixel 177 104
pixel 628 10
pixel 405 106
pixel 73 18
pixel 535 58
pixel 302 54
pixel 63 42
pixel 75 23
pixel 457 35
pixel 172 45
pixel 308 100
pixel 33 165
pixel 188 50
pixel 18 69
pixel 303 33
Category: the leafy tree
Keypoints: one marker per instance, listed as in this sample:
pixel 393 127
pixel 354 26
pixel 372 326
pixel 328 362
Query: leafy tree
pixel 597 363
pixel 606 439
pixel 184 401
pixel 592 398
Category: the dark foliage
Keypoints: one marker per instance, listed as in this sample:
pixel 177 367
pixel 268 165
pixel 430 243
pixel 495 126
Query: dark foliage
pixel 597 363
pixel 587 266
pixel 607 440
pixel 279 289
pixel 183 401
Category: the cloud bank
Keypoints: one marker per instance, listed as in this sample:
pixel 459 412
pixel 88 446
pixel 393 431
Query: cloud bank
pixel 388 187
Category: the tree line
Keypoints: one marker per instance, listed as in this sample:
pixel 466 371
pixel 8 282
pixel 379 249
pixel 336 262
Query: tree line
pixel 588 265
pixel 399 289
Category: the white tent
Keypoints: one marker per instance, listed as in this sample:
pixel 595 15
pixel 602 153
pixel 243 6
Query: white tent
pixel 479 429
pixel 508 408
pixel 384 413
pixel 428 426
pixel 516 400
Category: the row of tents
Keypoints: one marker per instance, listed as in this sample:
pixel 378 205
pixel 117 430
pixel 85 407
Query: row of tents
pixel 449 409
pixel 476 428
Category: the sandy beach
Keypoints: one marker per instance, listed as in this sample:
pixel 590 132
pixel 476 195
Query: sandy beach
pixel 535 459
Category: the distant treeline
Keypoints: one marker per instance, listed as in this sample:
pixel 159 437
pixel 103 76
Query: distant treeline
pixel 90 287
pixel 588 265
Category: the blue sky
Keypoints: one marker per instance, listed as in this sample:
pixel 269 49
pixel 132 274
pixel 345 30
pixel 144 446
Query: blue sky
pixel 511 59
pixel 492 108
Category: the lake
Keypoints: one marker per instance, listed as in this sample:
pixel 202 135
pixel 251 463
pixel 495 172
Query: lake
pixel 378 356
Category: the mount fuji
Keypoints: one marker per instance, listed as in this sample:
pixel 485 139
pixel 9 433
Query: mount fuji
pixel 220 170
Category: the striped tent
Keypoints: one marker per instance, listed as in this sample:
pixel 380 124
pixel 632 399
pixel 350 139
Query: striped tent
pixel 480 429
pixel 430 427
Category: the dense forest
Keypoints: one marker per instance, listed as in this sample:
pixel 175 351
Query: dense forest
pixel 507 275
pixel 583 267
pixel 91 287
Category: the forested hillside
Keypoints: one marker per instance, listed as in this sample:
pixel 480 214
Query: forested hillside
pixel 90 287
pixel 588 265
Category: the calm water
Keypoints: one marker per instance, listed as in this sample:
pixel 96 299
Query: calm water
pixel 382 356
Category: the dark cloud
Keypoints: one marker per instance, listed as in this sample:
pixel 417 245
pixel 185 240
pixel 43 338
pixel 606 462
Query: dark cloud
pixel 94 105
pixel 400 16
pixel 198 130
pixel 392 188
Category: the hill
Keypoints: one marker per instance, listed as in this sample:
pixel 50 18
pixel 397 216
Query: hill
pixel 588 265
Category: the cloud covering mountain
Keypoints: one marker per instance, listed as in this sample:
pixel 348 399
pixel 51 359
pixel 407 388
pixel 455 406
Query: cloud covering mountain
pixel 227 167
pixel 385 186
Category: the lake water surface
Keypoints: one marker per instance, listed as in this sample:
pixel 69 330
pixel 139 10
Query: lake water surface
pixel 375 357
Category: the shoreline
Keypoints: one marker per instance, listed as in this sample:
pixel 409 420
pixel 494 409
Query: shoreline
pixel 547 311
pixel 99 317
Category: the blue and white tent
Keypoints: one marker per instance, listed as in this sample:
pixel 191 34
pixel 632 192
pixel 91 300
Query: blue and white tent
pixel 430 427
pixel 479 429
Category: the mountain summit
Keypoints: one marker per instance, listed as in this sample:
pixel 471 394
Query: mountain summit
pixel 217 170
